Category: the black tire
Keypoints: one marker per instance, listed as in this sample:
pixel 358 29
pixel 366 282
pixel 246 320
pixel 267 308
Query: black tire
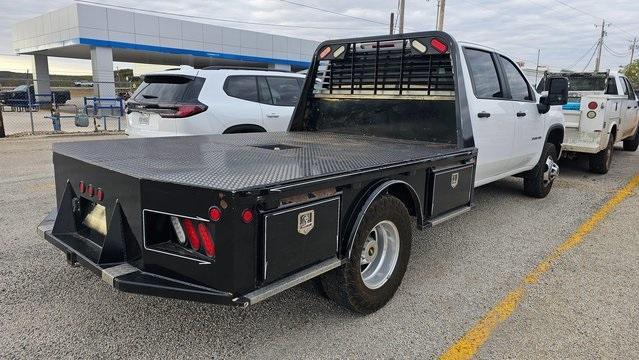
pixel 601 161
pixel 534 184
pixel 345 285
pixel 632 143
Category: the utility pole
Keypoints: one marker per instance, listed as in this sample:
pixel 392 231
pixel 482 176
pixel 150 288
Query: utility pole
pixel 537 67
pixel 601 42
pixel 402 5
pixel 632 49
pixel 392 22
pixel 441 5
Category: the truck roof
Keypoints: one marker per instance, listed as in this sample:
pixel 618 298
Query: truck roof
pixel 249 161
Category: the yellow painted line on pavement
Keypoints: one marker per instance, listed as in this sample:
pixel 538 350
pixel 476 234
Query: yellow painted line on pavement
pixel 469 344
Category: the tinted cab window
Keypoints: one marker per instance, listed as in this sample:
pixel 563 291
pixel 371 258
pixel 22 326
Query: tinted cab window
pixel 483 72
pixel 519 89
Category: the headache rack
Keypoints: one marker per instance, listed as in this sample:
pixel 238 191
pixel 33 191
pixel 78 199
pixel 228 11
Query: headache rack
pixel 419 67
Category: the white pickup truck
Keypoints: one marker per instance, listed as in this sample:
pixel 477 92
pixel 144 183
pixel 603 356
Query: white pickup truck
pixel 602 110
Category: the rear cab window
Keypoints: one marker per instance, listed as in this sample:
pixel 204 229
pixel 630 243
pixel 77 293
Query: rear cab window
pixel 483 72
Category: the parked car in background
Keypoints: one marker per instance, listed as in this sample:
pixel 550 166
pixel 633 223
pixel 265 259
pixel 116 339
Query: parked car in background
pixel 213 100
pixel 82 83
pixel 603 110
pixel 19 98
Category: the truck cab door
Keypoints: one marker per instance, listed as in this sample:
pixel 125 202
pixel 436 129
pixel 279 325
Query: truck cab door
pixel 492 116
pixel 629 110
pixel 530 125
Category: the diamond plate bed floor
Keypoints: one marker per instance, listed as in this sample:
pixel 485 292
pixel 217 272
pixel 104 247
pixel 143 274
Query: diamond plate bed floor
pixel 248 161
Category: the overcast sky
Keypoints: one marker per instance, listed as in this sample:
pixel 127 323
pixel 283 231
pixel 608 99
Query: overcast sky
pixel 516 27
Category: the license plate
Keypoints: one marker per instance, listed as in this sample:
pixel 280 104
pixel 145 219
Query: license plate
pixel 143 119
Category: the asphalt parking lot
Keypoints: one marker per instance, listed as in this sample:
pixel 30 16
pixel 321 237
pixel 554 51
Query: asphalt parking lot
pixel 583 306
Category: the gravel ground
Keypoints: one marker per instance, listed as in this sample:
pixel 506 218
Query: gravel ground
pixel 457 272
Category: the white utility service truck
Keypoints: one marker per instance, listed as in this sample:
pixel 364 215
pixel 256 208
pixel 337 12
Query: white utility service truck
pixel 602 110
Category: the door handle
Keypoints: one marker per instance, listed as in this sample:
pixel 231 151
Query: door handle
pixel 272 116
pixel 521 114
pixel 483 114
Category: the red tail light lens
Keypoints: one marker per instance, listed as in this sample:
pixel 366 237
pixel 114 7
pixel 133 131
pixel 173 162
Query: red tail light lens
pixel 593 105
pixel 439 45
pixel 99 194
pixel 247 216
pixel 325 52
pixel 185 111
pixel 207 240
pixel 191 233
pixel 215 213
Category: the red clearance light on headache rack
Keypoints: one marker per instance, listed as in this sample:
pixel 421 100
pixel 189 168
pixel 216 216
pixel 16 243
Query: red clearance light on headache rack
pixel 247 216
pixel 325 51
pixel 207 240
pixel 593 105
pixel 99 194
pixel 215 213
pixel 191 233
pixel 82 187
pixel 90 190
pixel 439 45
pixel 185 111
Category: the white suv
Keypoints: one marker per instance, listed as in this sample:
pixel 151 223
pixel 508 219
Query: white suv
pixel 214 100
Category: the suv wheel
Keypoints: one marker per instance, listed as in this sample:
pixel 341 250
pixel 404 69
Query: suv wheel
pixel 378 259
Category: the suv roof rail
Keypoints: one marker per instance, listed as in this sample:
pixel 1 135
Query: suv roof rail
pixel 229 67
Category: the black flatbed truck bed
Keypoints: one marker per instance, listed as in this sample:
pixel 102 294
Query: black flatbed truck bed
pixel 291 203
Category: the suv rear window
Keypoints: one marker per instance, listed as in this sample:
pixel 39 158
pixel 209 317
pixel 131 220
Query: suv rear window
pixel 168 89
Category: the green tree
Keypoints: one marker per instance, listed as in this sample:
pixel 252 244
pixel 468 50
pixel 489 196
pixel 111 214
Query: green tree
pixel 632 72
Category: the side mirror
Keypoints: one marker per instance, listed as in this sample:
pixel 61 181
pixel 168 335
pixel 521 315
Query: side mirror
pixel 556 94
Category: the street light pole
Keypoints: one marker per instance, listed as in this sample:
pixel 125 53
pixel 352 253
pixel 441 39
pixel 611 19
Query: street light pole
pixel 441 5
pixel 402 5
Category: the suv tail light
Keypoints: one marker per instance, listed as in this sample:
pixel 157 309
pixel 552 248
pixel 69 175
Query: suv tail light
pixel 183 111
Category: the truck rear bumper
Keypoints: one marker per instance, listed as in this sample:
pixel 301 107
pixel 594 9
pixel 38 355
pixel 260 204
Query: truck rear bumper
pixel 126 277
pixel 583 142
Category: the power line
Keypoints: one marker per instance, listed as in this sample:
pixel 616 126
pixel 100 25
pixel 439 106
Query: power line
pixel 614 53
pixel 591 15
pixel 334 12
pixel 584 55
pixel 589 61
pixel 217 19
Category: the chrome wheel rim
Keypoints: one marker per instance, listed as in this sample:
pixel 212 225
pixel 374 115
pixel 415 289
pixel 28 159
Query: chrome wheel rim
pixel 551 170
pixel 379 255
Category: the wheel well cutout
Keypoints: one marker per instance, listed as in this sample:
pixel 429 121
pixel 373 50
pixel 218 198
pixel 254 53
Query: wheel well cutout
pixel 404 194
pixel 556 137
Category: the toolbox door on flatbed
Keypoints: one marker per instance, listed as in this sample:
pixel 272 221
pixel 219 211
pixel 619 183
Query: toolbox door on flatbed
pixel 299 236
pixel 451 190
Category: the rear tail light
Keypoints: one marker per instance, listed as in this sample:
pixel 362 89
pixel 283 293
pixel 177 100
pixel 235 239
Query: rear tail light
pixel 439 45
pixel 99 194
pixel 191 233
pixel 593 105
pixel 207 240
pixel 183 111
